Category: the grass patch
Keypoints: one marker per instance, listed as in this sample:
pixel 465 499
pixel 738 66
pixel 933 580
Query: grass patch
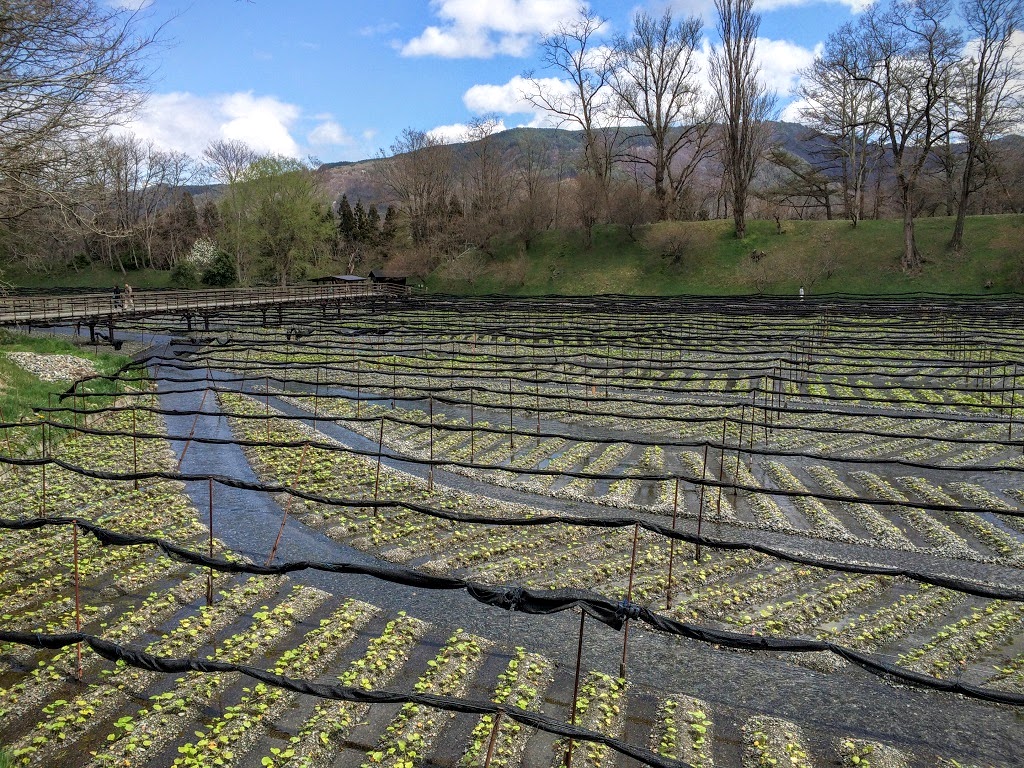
pixel 97 276
pixel 21 392
pixel 823 256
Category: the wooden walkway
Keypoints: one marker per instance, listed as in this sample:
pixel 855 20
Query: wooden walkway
pixel 103 308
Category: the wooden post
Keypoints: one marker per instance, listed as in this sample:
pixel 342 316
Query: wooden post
pixel 629 599
pixel 359 393
pixel 672 547
pixel 575 687
pixel 266 384
pixel 78 603
pixel 472 430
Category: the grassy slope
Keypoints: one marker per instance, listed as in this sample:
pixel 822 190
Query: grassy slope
pixel 96 276
pixel 825 257
pixel 21 392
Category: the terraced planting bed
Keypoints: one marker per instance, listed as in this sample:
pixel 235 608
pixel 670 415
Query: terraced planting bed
pixel 481 455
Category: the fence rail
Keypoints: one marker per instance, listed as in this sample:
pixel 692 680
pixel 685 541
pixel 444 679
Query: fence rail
pixel 104 306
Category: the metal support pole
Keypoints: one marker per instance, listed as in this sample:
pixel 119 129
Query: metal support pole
pixel 135 448
pixel 672 547
pixel 511 448
pixel 78 603
pixel 430 475
pixel 376 479
pixel 575 687
pixel 209 573
pixel 700 507
pixel 721 474
pixel 493 739
pixel 629 599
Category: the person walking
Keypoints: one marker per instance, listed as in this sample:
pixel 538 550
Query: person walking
pixel 117 297
pixel 129 297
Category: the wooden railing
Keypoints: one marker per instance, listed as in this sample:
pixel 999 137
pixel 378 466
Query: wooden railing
pixel 85 306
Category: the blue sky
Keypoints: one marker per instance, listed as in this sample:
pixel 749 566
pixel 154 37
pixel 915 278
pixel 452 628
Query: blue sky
pixel 340 79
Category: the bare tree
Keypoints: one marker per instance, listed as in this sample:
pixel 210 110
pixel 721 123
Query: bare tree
pixel 418 172
pixel 227 161
pixel 488 183
pixel 906 54
pixel 992 90
pixel 843 111
pixel 71 69
pixel 655 82
pixel 745 102
pixel 583 99
pixel 532 209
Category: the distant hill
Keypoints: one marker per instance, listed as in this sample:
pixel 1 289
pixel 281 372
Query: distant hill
pixel 360 180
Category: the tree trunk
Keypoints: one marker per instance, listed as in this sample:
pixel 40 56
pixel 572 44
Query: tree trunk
pixel 739 216
pixel 956 242
pixel 911 261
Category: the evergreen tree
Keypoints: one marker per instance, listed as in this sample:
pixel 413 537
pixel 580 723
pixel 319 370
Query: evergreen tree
pixel 373 225
pixel 209 220
pixel 361 232
pixel 346 220
pixel 390 228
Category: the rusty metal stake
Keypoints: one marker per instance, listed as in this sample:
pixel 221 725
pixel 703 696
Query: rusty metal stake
pixel 511 449
pixel 494 738
pixel 287 506
pixel 472 430
pixel 629 599
pixel 430 471
pixel 721 474
pixel 6 431
pixel 575 687
pixel 672 547
pixel 135 448
pixel 78 604
pixel 209 573
pixel 316 403
pixel 376 479
pixel 700 506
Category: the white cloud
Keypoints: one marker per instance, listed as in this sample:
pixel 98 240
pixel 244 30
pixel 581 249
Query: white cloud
pixel 474 29
pixel 130 5
pixel 379 29
pixel 187 122
pixel 855 6
pixel 458 132
pixel 328 133
pixel 781 62
pixel 508 99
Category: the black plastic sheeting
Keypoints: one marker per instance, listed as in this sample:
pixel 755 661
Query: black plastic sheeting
pixel 996 592
pixel 523 600
pixel 142 660
pixel 693 480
